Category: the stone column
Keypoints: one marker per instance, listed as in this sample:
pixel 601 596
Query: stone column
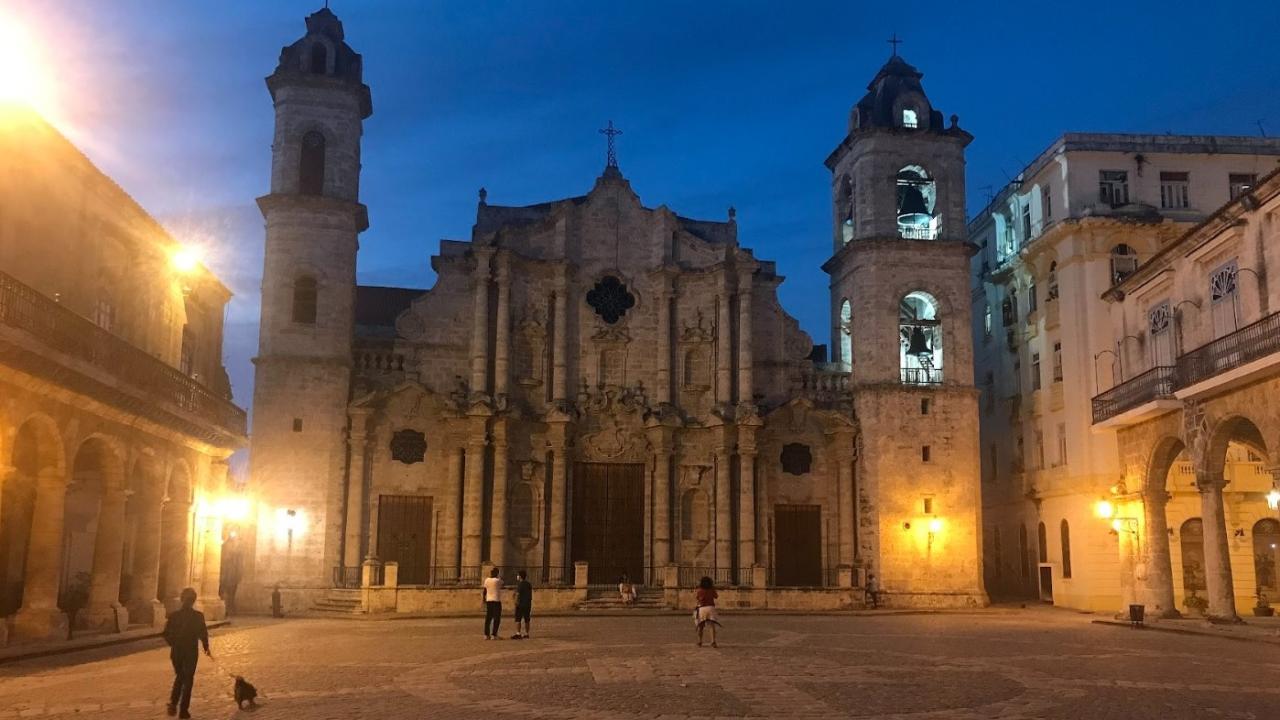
pixel 1157 588
pixel 746 378
pixel 1127 544
pixel 354 536
pixel 724 346
pixel 661 500
pixel 1217 553
pixel 844 496
pixel 746 498
pixel 103 610
pixel 723 534
pixel 143 606
pixel 502 342
pixel 447 556
pixel 473 497
pixel 498 531
pixel 664 338
pixel 559 500
pixel 480 322
pixel 560 351
pixel 39 618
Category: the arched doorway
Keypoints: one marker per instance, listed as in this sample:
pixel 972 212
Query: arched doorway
pixel 1266 558
pixel 1234 483
pixel 1191 542
pixel 36 450
pixel 93 537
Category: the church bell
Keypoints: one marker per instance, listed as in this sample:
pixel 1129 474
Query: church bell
pixel 919 345
pixel 912 210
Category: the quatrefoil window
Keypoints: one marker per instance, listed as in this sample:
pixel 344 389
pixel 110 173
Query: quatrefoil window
pixel 408 446
pixel 610 299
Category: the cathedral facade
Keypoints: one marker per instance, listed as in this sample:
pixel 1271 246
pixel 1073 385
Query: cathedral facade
pixel 593 380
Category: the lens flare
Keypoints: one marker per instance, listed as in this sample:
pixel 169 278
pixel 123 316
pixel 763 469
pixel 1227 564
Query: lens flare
pixel 25 81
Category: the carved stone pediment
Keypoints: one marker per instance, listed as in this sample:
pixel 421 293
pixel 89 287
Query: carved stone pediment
pixel 615 334
pixel 697 329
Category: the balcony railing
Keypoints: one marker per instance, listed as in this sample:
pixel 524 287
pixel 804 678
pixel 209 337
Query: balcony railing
pixel 1153 384
pixel 62 330
pixel 1243 346
pixel 921 376
pixel 826 383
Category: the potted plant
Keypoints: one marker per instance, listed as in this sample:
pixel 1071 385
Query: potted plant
pixel 1263 607
pixel 1196 604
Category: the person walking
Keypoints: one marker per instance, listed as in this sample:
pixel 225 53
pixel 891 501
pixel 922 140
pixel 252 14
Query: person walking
pixel 184 631
pixel 705 613
pixel 524 605
pixel 232 572
pixel 492 594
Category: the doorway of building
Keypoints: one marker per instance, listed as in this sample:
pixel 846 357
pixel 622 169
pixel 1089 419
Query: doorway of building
pixel 608 521
pixel 798 542
pixel 404 535
pixel 1046 584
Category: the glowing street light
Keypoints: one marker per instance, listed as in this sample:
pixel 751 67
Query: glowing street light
pixel 186 258
pixel 1104 509
pixel 24 80
pixel 1273 499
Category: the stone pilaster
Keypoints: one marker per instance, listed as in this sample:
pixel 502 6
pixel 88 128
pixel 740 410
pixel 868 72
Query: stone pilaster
pixel 1157 587
pixel 664 337
pixel 723 529
pixel 724 344
pixel 480 322
pixel 498 521
pixel 1217 553
pixel 39 618
pixel 559 489
pixel 746 497
pixel 473 495
pixel 661 548
pixel 447 556
pixel 354 538
pixel 211 578
pixel 845 497
pixel 746 376
pixel 502 340
pixel 560 351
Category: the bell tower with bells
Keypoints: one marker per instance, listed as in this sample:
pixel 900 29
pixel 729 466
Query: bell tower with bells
pixel 900 309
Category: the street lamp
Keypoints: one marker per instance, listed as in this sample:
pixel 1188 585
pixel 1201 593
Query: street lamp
pixel 186 258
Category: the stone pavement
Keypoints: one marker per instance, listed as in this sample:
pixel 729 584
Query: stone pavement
pixel 1007 666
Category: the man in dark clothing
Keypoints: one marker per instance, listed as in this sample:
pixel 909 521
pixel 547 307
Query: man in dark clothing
pixel 184 629
pixel 524 605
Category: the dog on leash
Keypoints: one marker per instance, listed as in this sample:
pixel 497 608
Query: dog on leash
pixel 245 692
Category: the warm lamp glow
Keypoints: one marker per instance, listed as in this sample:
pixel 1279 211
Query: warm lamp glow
pixel 935 525
pixel 234 509
pixel 1273 499
pixel 1104 509
pixel 186 258
pixel 1117 524
pixel 24 80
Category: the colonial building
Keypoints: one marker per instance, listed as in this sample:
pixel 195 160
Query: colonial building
pixel 1082 217
pixel 116 418
pixel 1198 428
pixel 593 380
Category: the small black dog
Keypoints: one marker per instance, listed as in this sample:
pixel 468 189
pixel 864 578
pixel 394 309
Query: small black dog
pixel 245 692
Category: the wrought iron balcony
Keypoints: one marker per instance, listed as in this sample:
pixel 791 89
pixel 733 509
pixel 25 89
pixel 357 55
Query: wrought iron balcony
pixel 77 338
pixel 1241 347
pixel 1154 384
pixel 921 376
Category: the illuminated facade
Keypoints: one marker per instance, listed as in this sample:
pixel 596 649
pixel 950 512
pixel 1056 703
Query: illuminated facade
pixel 595 381
pixel 1083 216
pixel 116 420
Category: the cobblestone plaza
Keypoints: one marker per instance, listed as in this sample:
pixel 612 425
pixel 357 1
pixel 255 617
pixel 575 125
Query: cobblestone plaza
pixel 996 664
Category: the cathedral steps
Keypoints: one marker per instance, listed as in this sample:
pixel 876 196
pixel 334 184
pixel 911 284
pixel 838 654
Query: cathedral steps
pixel 339 601
pixel 607 599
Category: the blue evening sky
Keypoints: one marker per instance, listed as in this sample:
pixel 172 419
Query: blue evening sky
pixel 721 104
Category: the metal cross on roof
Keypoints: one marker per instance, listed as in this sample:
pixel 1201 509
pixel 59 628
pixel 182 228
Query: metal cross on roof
pixel 611 132
pixel 895 42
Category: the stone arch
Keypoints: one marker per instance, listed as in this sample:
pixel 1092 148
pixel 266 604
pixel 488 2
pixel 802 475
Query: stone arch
pixel 175 532
pixel 1236 429
pixel 920 338
pixel 1162 459
pixel 37 451
pixel 93 532
pixel 917 211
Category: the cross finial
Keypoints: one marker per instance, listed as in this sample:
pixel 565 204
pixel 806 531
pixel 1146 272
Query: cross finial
pixel 611 132
pixel 895 42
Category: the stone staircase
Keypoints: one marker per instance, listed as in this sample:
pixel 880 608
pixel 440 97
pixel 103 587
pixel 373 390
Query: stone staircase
pixel 607 599
pixel 339 601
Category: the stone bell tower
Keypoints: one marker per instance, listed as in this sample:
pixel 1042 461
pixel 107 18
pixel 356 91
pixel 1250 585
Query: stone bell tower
pixel 313 220
pixel 900 321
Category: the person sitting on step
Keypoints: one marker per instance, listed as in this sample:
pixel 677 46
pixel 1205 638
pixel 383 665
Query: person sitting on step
pixel 626 590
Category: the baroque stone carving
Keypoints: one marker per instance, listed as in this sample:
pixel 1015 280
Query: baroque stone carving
pixel 408 446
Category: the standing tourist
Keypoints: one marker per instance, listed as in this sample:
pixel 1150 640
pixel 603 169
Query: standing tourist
pixel 185 629
pixel 524 605
pixel 492 594
pixel 705 613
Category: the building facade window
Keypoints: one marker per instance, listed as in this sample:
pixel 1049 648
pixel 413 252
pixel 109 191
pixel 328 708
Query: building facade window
pixel 1039 450
pixel 1160 327
pixel 986 321
pixel 1035 371
pixel 1124 262
pixel 187 353
pixel 1057 362
pixel 1223 299
pixel 1062 444
pixel 1026 220
pixel 104 311
pixel 1240 183
pixel 1053 282
pixel 311 164
pixel 909 118
pixel 1113 187
pixel 1175 190
pixel 1042 543
pixel 304 300
pixel 1046 202
pixel 1065 531
pixel 846 333
pixel 920 336
pixel 1033 297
